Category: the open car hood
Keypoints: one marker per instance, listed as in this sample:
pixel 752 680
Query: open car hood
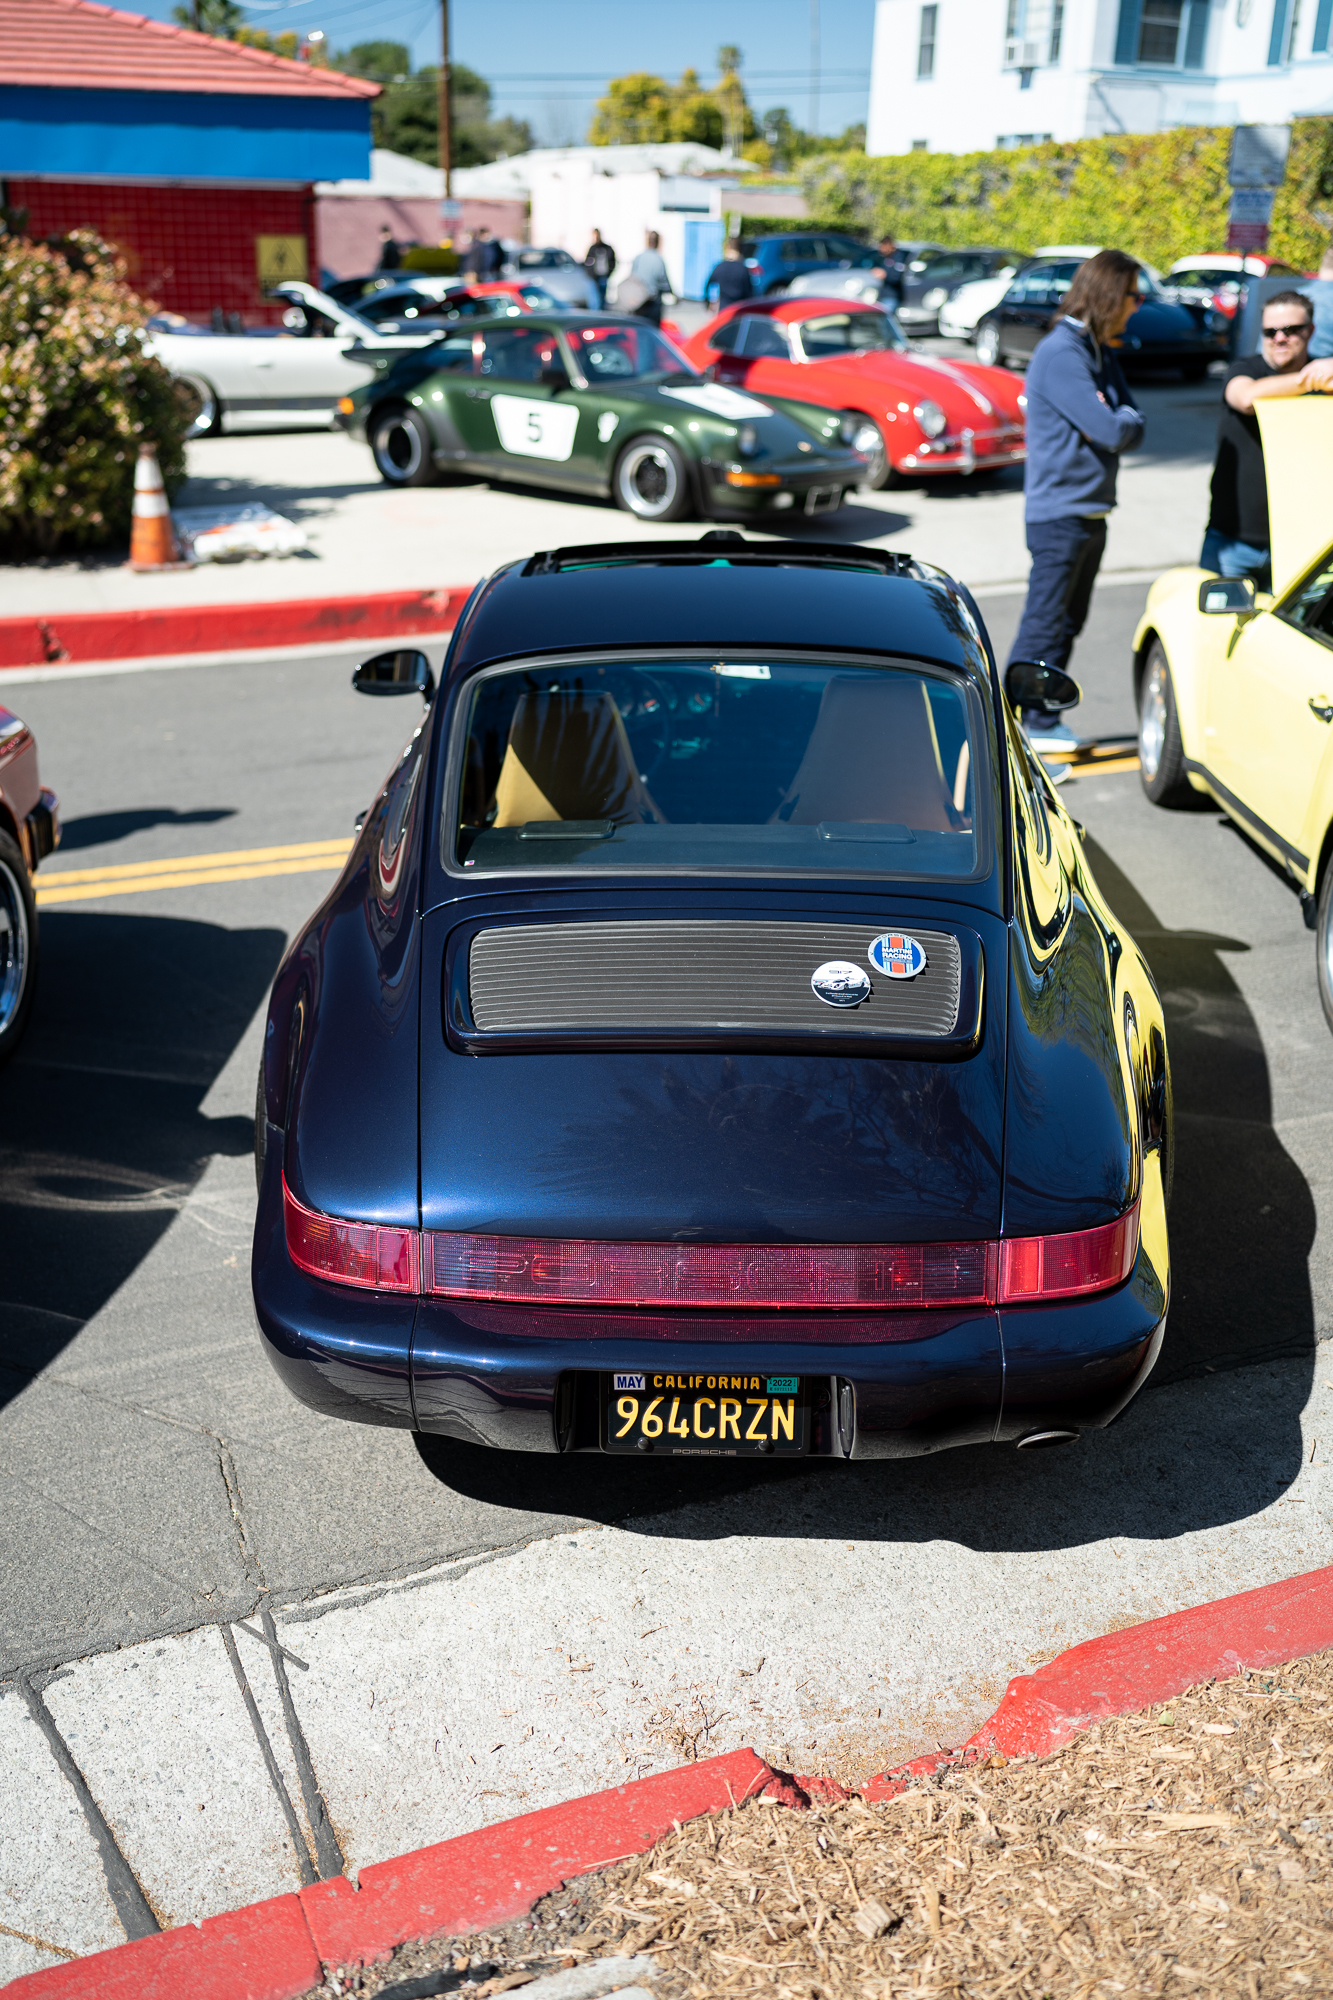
pixel 1298 459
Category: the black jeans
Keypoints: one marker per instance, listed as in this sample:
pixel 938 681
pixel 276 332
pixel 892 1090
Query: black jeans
pixel 1066 556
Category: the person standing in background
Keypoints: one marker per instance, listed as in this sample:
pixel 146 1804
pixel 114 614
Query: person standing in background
pixel 1319 292
pixel 599 263
pixel 729 282
pixel 1080 417
pixel 650 269
pixel 484 258
pixel 391 256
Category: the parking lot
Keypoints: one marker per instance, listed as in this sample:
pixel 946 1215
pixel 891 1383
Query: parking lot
pixel 468 1636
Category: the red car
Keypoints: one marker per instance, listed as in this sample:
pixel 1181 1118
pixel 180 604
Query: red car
pixel 921 415
pixel 29 830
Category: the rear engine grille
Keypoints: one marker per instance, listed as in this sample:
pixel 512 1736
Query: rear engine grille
pixel 692 976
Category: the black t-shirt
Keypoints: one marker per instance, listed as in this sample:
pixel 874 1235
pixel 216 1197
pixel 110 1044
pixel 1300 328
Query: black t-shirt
pixel 733 281
pixel 1240 491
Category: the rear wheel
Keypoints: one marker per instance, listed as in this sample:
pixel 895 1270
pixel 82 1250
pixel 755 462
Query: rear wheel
pixel 651 480
pixel 1161 754
pixel 204 407
pixel 1323 935
pixel 868 439
pixel 401 446
pixel 988 344
pixel 18 946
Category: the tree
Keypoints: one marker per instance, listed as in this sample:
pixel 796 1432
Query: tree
pixel 695 115
pixel 405 118
pixel 80 396
pixel 212 17
pixel 285 44
pixel 636 111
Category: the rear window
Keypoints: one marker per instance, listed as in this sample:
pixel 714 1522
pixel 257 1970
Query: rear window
pixel 743 762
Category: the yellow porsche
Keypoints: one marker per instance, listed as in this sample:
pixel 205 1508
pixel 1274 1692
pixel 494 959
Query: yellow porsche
pixel 1235 687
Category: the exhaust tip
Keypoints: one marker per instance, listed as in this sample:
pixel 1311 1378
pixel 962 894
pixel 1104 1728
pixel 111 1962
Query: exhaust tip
pixel 1040 1440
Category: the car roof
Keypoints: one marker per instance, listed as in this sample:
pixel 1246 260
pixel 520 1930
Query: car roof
pixel 824 597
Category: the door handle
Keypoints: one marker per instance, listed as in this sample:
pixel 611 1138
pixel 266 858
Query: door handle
pixel 1321 706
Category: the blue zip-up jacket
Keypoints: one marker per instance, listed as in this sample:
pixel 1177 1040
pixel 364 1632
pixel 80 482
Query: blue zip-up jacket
pixel 1074 437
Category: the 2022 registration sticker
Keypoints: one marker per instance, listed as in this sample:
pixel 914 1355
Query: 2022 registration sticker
pixel 704 1415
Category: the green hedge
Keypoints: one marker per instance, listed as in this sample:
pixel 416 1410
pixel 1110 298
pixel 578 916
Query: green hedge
pixel 1162 195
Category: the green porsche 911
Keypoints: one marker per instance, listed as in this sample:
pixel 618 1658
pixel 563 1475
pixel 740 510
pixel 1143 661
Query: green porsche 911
pixel 599 405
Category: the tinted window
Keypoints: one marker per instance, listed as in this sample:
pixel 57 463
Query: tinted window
pixel 738 763
pixel 725 339
pixel 1311 604
pixel 519 353
pixel 454 353
pixel 764 336
pixel 619 353
pixel 801 250
pixel 848 333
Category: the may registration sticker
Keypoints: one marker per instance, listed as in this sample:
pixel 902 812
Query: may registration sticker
pixel 705 1416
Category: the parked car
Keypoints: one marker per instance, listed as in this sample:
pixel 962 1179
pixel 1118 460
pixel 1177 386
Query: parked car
pixel 774 261
pixel 396 307
pixel 1234 688
pixel 599 405
pixel 291 375
pixel 1160 334
pixel 557 274
pixel 717 1041
pixel 916 287
pixel 965 308
pixel 1217 281
pixel 29 831
pixel 907 413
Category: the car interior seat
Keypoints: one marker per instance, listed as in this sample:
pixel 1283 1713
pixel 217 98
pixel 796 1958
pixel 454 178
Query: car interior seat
pixel 568 757
pixel 873 756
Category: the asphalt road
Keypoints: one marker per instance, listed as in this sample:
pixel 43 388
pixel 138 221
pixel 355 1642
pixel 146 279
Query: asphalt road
pixel 155 1474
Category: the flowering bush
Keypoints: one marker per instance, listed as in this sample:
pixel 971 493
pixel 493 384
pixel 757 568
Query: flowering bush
pixel 77 395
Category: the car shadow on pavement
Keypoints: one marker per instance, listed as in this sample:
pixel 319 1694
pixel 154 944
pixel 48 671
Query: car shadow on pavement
pixel 1215 1437
pixel 101 1136
pixel 96 829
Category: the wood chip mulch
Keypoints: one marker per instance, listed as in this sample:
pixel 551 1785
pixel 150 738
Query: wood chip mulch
pixel 1185 1849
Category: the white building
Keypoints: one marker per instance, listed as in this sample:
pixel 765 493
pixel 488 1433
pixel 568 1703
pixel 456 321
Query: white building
pixel 961 76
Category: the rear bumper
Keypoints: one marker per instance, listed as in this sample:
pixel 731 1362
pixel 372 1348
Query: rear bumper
pixel 892 1385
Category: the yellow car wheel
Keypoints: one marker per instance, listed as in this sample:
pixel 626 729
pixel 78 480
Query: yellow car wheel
pixel 1161 754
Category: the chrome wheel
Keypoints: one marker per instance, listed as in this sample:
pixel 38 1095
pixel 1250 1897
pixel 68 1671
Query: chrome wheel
pixel 649 480
pixel 203 402
pixel 868 439
pixel 988 343
pixel 15 945
pixel 401 446
pixel 1152 717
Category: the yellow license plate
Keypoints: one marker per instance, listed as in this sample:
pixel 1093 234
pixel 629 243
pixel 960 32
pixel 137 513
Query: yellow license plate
pixel 705 1416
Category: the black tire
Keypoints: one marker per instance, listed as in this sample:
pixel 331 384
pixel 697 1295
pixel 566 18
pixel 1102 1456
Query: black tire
pixel 261 1129
pixel 652 480
pixel 1323 944
pixel 990 351
pixel 877 451
pixel 18 946
pixel 1193 371
pixel 401 446
pixel 205 404
pixel 1161 754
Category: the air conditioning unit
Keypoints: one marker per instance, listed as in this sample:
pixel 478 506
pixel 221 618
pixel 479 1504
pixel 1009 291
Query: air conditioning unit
pixel 1022 54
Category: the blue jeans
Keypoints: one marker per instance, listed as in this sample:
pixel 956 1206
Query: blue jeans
pixel 1066 556
pixel 1226 556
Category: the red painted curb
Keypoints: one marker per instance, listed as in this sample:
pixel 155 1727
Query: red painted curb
pixel 273 1950
pixel 1145 1663
pixel 66 638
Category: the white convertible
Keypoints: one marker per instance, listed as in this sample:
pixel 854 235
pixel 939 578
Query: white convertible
pixel 282 376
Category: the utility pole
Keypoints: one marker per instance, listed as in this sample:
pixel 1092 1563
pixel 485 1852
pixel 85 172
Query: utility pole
pixel 446 94
pixel 814 66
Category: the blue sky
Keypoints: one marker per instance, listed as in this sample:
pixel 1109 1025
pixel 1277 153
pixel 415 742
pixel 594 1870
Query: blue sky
pixel 548 60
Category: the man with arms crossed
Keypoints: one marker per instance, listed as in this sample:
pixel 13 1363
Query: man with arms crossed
pixel 1236 542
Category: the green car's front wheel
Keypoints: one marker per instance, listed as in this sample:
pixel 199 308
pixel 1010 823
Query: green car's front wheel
pixel 401 447
pixel 651 480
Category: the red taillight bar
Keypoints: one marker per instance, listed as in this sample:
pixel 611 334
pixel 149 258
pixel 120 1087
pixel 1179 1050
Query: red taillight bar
pixel 562 1271
pixel 351 1253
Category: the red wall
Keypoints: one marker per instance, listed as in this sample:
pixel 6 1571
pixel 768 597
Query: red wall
pixel 188 249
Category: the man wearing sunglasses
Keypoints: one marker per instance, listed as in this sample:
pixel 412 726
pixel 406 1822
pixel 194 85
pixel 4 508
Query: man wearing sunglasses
pixel 1236 542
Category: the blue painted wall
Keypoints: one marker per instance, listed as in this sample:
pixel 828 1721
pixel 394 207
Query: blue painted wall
pixel 183 135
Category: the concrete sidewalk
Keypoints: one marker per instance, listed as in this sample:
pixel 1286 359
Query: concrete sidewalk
pixel 366 537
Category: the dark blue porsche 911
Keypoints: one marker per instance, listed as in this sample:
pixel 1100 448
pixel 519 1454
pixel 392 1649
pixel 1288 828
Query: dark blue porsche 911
pixel 716 1042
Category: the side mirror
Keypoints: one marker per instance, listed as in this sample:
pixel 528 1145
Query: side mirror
pixel 1226 593
pixel 406 672
pixel 1032 684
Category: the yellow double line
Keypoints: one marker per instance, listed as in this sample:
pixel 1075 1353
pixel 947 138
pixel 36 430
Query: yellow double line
pixel 190 871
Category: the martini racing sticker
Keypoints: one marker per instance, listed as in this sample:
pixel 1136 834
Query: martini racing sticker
pixel 629 1382
pixel 897 956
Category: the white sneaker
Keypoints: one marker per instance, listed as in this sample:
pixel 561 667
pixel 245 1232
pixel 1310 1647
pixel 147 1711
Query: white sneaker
pixel 1060 737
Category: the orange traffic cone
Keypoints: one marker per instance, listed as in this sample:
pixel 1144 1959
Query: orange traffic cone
pixel 153 543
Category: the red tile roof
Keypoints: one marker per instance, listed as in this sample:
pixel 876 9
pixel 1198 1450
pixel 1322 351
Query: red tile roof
pixel 81 45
